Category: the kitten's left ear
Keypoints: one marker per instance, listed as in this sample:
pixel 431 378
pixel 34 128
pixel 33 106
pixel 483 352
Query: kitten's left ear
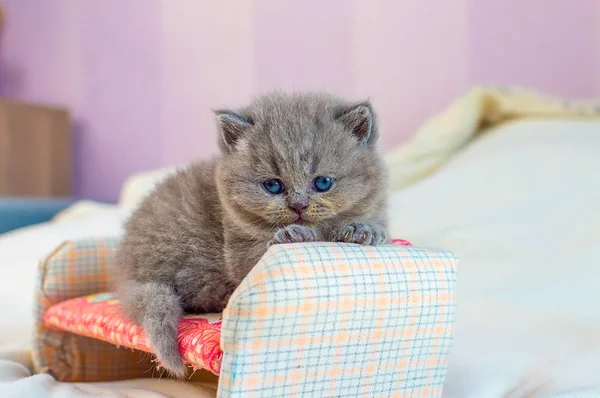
pixel 360 120
pixel 232 127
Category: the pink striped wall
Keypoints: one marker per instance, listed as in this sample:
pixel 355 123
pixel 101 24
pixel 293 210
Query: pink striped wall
pixel 142 75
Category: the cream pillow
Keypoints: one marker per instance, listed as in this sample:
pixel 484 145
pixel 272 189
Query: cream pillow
pixel 139 185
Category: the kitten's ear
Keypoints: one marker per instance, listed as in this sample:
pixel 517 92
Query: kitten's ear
pixel 360 120
pixel 232 127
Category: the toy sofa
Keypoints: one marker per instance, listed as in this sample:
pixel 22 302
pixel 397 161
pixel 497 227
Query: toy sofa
pixel 319 319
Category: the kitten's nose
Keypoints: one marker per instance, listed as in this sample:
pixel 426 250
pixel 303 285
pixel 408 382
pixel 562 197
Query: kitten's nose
pixel 298 207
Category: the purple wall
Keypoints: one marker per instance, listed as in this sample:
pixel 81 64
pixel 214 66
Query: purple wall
pixel 554 45
pixel 141 76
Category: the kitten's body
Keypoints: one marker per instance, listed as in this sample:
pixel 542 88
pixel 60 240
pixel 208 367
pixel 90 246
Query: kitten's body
pixel 200 232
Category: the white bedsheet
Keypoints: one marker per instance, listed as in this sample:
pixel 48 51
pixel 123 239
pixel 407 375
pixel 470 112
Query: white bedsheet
pixel 16 382
pixel 521 207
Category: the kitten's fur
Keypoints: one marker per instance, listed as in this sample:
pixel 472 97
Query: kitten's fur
pixel 200 232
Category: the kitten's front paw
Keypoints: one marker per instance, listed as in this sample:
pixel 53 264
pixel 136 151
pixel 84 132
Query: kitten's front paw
pixel 294 234
pixel 363 234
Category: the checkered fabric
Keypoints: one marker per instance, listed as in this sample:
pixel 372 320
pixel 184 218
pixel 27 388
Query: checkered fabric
pixel 340 320
pixel 77 269
pixel 322 320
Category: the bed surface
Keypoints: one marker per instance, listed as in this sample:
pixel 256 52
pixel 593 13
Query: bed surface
pixel 520 206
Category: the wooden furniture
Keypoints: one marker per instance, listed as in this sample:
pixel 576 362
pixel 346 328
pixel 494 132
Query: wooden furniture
pixel 35 150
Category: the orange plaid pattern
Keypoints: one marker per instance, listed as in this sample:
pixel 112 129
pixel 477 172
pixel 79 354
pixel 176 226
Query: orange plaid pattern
pixel 77 269
pixel 339 320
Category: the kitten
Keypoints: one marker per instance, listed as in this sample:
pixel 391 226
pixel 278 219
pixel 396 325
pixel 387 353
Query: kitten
pixel 293 168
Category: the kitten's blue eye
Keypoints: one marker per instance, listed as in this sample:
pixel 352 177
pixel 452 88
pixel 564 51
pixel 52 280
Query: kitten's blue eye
pixel 323 184
pixel 274 187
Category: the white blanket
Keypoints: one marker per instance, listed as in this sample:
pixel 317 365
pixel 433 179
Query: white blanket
pixel 445 135
pixel 16 382
pixel 521 207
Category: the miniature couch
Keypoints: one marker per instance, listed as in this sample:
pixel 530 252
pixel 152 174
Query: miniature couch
pixel 313 319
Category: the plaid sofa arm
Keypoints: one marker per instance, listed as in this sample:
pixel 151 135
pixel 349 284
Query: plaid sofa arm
pixel 74 269
pixel 338 320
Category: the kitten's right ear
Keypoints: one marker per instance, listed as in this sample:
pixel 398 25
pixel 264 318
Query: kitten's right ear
pixel 360 120
pixel 232 127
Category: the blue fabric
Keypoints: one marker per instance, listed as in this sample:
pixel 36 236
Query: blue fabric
pixel 21 212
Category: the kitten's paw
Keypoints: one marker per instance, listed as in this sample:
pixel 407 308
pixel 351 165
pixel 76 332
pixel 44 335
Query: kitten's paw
pixel 363 234
pixel 294 234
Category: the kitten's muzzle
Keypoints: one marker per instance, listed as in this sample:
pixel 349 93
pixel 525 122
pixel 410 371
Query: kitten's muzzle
pixel 298 207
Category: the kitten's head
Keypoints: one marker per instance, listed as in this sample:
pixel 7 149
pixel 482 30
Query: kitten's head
pixel 299 158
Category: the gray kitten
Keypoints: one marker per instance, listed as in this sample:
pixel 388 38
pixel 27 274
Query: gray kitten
pixel 293 168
